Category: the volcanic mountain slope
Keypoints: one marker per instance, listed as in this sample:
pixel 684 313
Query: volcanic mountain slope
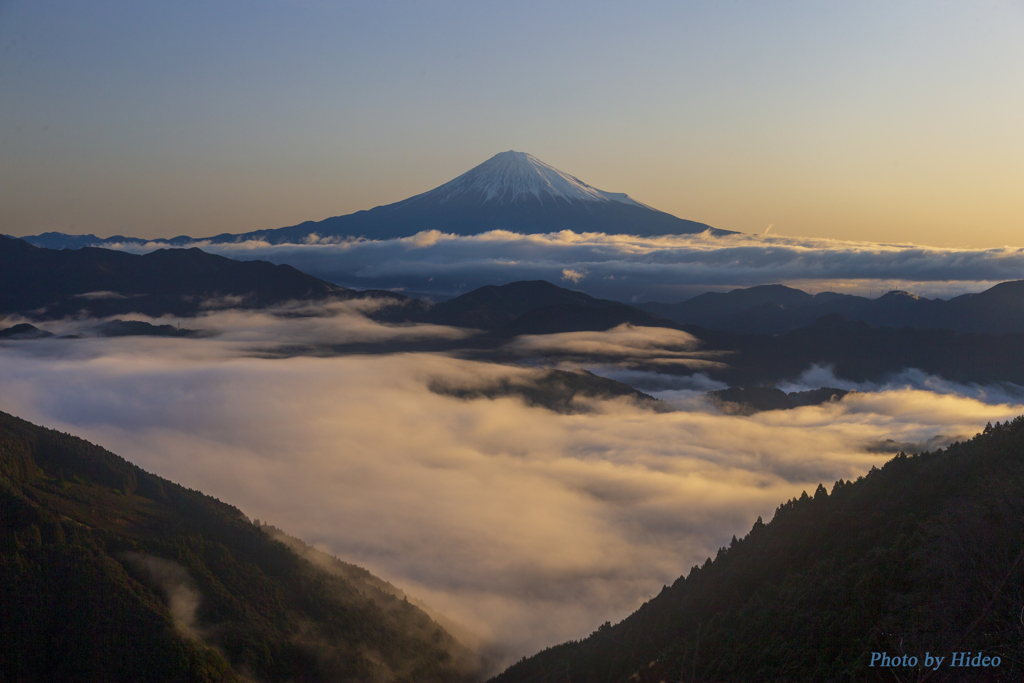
pixel 511 191
pixel 925 555
pixel 110 573
pixel 50 284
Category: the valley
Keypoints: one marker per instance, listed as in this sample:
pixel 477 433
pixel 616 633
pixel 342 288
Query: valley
pixel 479 366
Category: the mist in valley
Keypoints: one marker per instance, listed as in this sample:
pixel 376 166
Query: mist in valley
pixel 523 525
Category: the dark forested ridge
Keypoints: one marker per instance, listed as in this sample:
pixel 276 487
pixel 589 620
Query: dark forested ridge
pixel 108 573
pixel 561 391
pixel 856 350
pixel 775 309
pixel 861 352
pixel 750 400
pixel 48 284
pixel 532 307
pixel 23 331
pixel 494 306
pixel 925 555
pixel 44 284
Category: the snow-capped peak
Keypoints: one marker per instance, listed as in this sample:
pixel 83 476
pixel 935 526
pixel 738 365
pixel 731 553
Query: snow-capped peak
pixel 512 176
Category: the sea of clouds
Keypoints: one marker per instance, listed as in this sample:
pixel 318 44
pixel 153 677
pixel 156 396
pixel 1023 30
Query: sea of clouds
pixel 527 526
pixel 627 268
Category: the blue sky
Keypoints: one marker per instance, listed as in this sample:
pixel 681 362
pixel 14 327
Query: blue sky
pixel 875 120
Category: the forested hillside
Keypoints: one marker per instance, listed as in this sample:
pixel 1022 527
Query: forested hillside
pixel 108 573
pixel 923 556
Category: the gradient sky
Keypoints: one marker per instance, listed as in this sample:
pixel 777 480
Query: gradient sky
pixel 882 121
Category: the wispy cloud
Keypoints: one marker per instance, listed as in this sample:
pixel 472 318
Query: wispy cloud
pixel 624 346
pixel 573 276
pixel 242 331
pixel 183 598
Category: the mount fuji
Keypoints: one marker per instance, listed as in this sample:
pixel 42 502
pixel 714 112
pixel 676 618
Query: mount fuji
pixel 511 191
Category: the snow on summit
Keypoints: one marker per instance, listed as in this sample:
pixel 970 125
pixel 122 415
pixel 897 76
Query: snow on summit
pixel 513 177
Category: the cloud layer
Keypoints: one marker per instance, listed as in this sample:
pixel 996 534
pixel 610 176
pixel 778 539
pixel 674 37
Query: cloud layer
pixel 527 526
pixel 621 267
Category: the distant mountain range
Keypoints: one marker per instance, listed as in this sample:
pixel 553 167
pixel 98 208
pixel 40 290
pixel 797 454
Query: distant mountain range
pixel 48 284
pixel 107 282
pixel 511 191
pixel 921 556
pixel 774 309
pixel 109 573
pixel 855 350
pixel 44 284
pixel 861 352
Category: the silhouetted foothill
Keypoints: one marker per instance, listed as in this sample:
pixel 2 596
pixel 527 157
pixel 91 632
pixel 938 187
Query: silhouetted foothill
pixel 137 328
pixel 24 331
pixel 749 400
pixel 109 573
pixel 776 309
pixel 922 555
pixel 44 284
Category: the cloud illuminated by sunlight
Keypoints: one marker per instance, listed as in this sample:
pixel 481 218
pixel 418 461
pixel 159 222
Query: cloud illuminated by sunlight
pixel 528 526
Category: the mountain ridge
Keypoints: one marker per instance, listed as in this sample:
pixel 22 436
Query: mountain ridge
pixel 108 572
pixel 777 309
pixel 48 284
pixel 921 555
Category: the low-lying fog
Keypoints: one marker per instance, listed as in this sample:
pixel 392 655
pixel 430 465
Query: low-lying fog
pixel 527 526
